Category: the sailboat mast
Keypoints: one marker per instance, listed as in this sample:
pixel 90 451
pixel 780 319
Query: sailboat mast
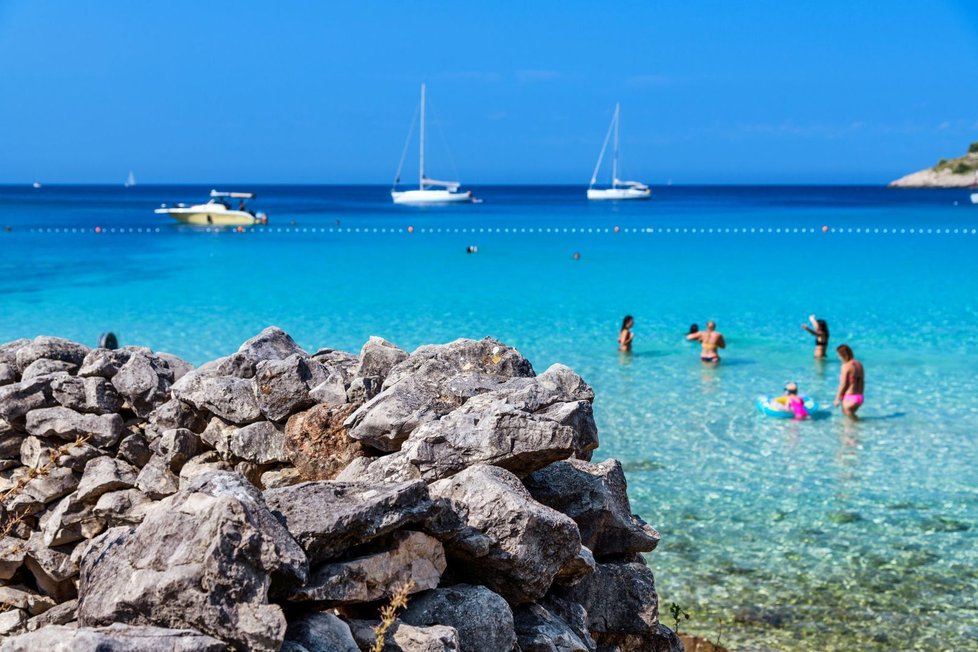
pixel 421 147
pixel 614 161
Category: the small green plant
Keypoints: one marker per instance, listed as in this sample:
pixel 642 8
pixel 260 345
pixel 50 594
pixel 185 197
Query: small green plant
pixel 941 164
pixel 961 168
pixel 678 614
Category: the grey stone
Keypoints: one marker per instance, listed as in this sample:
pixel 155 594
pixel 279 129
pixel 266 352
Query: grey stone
pixel 321 632
pixel 238 365
pixel 43 489
pixel 178 366
pixel 216 580
pixel 176 414
pixel 156 480
pixel 410 557
pixel 282 386
pixel 143 381
pixel 52 567
pixel 327 518
pixel 573 615
pixel 481 618
pixel 20 597
pixel 10 441
pixel 203 463
pixel 59 422
pixel 105 474
pixel 13 477
pixel 17 399
pixel 362 390
pixel 507 541
pixel 331 392
pixel 134 449
pixel 86 394
pixel 106 362
pixel 440 362
pixel 271 344
pixel 178 445
pixel 35 452
pixel 63 524
pixel 11 620
pixel 8 373
pixel 59 614
pixel 595 496
pixel 577 568
pixel 125 507
pixel 115 638
pixel 339 362
pixel 278 478
pixel 260 443
pixel 8 350
pixel 539 630
pixel 76 455
pixel 45 367
pixel 52 348
pixel 402 637
pixel 378 357
pixel 217 435
pixel 228 397
pixel 12 553
pixel 317 444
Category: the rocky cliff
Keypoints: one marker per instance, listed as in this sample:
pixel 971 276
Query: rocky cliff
pixel 948 173
pixel 278 500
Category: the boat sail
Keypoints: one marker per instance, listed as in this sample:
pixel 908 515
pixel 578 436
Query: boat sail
pixel 130 180
pixel 430 191
pixel 619 189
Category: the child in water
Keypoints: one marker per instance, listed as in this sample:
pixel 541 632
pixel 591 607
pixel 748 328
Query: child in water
pixel 793 402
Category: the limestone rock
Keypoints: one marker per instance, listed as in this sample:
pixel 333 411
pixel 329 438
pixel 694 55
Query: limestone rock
pixel 178 445
pixel 51 348
pixel 481 618
pixel 216 580
pixel 17 399
pixel 412 556
pixel 107 362
pixel 52 568
pixel 378 357
pixel 10 621
pixel 282 386
pixel 259 443
pixel 75 456
pixel 63 524
pixel 178 366
pixel 331 391
pixel 45 367
pixel 577 568
pixel 203 463
pixel 595 496
pixel 10 441
pixel 134 449
pixel 362 389
pixel 20 597
pixel 8 373
pixel 509 542
pixel 35 452
pixel 539 630
pixel 321 632
pixel 115 638
pixel 176 414
pixel 327 518
pixel 218 434
pixel 271 344
pixel 125 507
pixel 440 362
pixel 8 350
pixel 12 553
pixel 228 397
pixel 92 394
pixel 402 637
pixel 105 474
pixel 156 480
pixel 59 614
pixel 278 478
pixel 143 381
pixel 42 490
pixel 62 423
pixel 317 444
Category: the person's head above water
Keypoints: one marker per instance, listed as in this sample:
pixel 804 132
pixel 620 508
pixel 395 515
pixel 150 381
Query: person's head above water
pixel 791 388
pixel 627 322
pixel 845 352
pixel 693 328
pixel 711 325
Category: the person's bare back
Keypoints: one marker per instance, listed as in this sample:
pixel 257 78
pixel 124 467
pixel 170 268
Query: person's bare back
pixel 710 341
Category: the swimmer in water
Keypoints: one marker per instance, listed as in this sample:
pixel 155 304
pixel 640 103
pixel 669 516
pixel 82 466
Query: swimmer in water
pixel 851 382
pixel 710 341
pixel 820 329
pixel 625 335
pixel 795 403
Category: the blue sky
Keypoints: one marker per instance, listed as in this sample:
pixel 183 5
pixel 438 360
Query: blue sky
pixel 520 92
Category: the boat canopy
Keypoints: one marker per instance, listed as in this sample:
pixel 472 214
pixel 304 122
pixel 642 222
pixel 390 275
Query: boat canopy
pixel 631 184
pixel 451 185
pixel 235 195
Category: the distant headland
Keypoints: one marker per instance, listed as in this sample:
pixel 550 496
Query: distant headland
pixel 948 173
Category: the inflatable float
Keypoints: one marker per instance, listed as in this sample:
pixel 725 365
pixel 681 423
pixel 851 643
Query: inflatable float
pixel 777 406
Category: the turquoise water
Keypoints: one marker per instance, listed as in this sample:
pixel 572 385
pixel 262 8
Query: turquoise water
pixel 817 535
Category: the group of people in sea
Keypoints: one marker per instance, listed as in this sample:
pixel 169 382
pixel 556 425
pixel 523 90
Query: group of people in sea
pixel 849 396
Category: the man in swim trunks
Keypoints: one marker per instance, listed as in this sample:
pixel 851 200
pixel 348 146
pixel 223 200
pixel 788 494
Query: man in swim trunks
pixel 851 380
pixel 710 340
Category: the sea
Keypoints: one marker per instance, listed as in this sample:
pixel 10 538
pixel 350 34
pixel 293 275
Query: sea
pixel 824 534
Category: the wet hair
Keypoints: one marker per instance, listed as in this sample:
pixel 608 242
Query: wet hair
pixel 845 351
pixel 626 321
pixel 823 326
pixel 693 328
pixel 711 324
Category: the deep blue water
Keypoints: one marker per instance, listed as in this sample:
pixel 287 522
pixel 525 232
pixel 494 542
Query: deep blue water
pixel 816 535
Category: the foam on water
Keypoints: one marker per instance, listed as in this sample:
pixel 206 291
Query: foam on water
pixel 816 535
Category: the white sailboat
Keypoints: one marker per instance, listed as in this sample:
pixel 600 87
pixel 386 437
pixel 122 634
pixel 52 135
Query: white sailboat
pixel 619 189
pixel 430 191
pixel 130 180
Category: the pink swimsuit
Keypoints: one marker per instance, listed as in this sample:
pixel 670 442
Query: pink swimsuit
pixel 798 407
pixel 854 399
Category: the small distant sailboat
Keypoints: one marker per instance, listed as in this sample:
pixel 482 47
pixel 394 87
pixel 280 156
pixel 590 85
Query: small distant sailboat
pixel 974 189
pixel 130 180
pixel 36 184
pixel 430 191
pixel 619 189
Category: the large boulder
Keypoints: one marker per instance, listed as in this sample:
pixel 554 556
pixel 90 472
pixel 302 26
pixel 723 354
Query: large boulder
pixel 271 344
pixel 228 397
pixel 45 367
pixel 321 632
pixel 378 357
pixel 282 386
pixel 259 443
pixel 18 399
pixel 105 474
pixel 539 630
pixel 420 388
pixel 483 620
pixel 51 348
pixel 86 394
pixel 595 496
pixel 42 490
pixel 176 414
pixel 506 540
pixel 106 362
pixel 102 430
pixel 144 381
pixel 203 559
pixel 327 518
pixel 410 557
pixel 316 442
pixel 115 638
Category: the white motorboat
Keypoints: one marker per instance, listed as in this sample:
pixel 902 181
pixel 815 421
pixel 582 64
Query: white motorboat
pixel 430 191
pixel 619 189
pixel 217 211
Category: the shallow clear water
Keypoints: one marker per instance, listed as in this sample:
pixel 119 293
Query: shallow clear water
pixel 816 535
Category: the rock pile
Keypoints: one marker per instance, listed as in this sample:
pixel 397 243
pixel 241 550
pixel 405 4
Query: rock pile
pixel 275 500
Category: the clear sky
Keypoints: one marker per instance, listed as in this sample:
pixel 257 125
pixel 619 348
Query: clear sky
pixel 775 91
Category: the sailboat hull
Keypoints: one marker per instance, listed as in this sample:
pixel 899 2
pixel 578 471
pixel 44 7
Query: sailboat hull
pixel 619 193
pixel 430 196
